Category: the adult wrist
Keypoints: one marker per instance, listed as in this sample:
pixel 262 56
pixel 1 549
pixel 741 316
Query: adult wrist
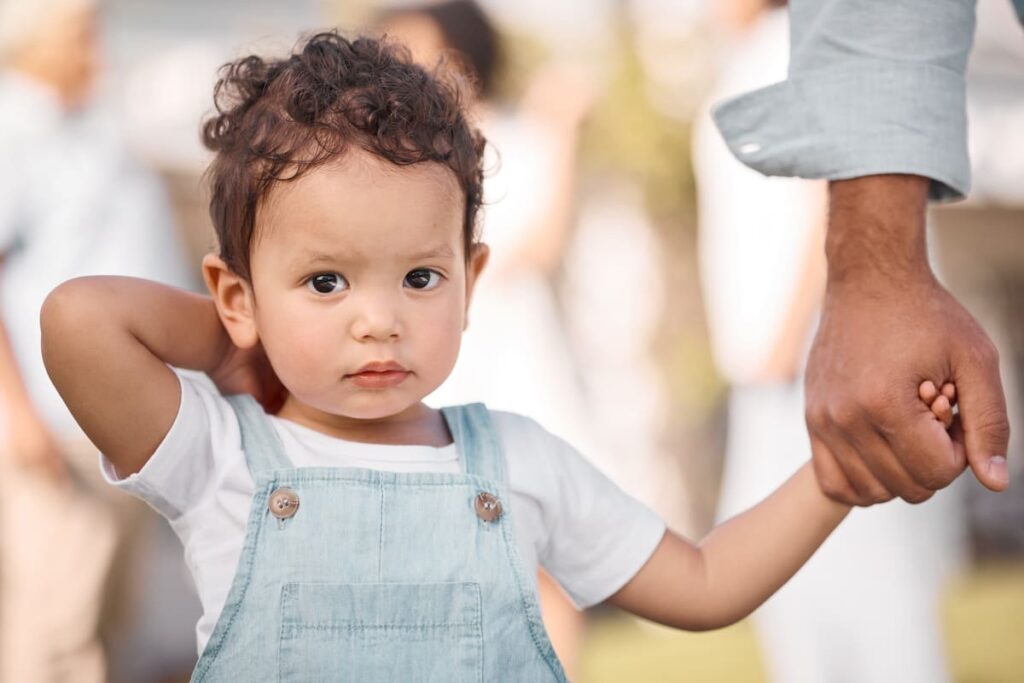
pixel 877 230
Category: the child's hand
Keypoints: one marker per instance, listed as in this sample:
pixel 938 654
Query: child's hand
pixel 940 401
pixel 248 371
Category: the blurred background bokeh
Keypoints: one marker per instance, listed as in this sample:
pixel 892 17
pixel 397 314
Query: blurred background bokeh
pixel 673 293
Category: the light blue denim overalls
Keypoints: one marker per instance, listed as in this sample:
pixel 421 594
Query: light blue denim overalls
pixel 361 575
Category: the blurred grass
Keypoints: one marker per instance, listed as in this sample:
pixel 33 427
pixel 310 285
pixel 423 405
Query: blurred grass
pixel 620 648
pixel 984 623
pixel 984 616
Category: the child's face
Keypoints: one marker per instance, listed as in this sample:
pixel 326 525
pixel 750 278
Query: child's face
pixel 360 285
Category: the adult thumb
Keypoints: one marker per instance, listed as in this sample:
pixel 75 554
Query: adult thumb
pixel 986 428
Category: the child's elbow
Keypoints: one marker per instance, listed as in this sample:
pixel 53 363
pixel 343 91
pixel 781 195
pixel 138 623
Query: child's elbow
pixel 715 622
pixel 66 312
pixel 58 308
pixel 700 621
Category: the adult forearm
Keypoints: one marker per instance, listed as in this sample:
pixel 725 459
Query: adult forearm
pixel 876 230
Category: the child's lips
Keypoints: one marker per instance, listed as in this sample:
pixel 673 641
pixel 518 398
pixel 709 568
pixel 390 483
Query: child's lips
pixel 379 375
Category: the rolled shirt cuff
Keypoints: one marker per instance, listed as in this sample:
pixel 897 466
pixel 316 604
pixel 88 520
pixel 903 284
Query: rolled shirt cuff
pixel 871 118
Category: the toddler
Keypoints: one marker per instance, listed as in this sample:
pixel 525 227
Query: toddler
pixel 336 527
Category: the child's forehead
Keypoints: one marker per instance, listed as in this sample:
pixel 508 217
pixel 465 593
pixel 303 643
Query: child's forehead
pixel 358 177
pixel 361 200
pixel 357 170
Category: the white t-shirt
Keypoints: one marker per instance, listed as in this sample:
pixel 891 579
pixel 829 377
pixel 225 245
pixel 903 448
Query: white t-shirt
pixel 589 535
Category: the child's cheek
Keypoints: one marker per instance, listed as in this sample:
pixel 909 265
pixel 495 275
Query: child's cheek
pixel 304 353
pixel 440 339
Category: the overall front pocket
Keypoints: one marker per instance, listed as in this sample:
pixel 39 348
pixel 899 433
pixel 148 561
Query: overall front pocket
pixel 370 632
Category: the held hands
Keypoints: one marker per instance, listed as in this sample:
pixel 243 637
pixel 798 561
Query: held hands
pixel 941 401
pixel 872 437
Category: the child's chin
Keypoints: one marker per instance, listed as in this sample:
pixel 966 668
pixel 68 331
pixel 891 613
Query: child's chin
pixel 377 406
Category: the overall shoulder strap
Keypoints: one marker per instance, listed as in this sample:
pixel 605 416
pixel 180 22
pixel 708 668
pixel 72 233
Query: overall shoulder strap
pixel 262 447
pixel 479 447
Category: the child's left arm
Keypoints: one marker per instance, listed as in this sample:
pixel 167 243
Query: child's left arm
pixel 744 561
pixel 738 565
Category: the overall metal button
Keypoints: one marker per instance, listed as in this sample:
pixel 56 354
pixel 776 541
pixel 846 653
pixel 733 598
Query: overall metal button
pixel 283 503
pixel 488 507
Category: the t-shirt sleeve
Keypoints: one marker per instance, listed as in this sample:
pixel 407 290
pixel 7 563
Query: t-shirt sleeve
pixel 598 536
pixel 178 473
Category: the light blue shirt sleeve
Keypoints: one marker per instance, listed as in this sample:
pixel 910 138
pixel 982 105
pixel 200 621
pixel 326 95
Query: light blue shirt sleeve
pixel 874 86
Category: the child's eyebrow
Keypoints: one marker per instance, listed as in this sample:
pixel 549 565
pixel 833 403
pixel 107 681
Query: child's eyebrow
pixel 315 257
pixel 440 251
pixel 311 257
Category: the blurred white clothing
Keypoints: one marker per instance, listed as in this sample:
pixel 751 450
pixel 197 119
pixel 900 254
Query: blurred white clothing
pixel 515 355
pixel 72 203
pixel 613 284
pixel 995 107
pixel 865 608
pixel 754 229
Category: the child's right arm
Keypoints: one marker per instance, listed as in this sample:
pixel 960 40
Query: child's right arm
pixel 107 343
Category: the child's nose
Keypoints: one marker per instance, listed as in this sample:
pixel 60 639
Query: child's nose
pixel 377 320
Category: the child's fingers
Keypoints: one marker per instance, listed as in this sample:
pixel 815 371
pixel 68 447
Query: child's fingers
pixel 943 410
pixel 949 391
pixel 927 391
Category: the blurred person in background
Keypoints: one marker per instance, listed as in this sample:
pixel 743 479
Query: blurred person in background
pixel 516 334
pixel 866 607
pixel 979 248
pixel 72 202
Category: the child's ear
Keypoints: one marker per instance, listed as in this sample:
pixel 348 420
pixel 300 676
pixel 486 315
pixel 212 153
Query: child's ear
pixel 478 255
pixel 232 296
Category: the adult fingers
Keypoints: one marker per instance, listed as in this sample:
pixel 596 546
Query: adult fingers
pixel 868 488
pixel 879 458
pixel 830 475
pixel 923 446
pixel 986 427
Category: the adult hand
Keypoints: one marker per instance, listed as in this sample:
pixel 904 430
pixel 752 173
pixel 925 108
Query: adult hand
pixel 887 325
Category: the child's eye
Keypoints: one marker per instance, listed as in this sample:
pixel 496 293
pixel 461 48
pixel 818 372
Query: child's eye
pixel 423 278
pixel 327 283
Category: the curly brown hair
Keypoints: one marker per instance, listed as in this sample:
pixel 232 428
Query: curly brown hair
pixel 278 119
